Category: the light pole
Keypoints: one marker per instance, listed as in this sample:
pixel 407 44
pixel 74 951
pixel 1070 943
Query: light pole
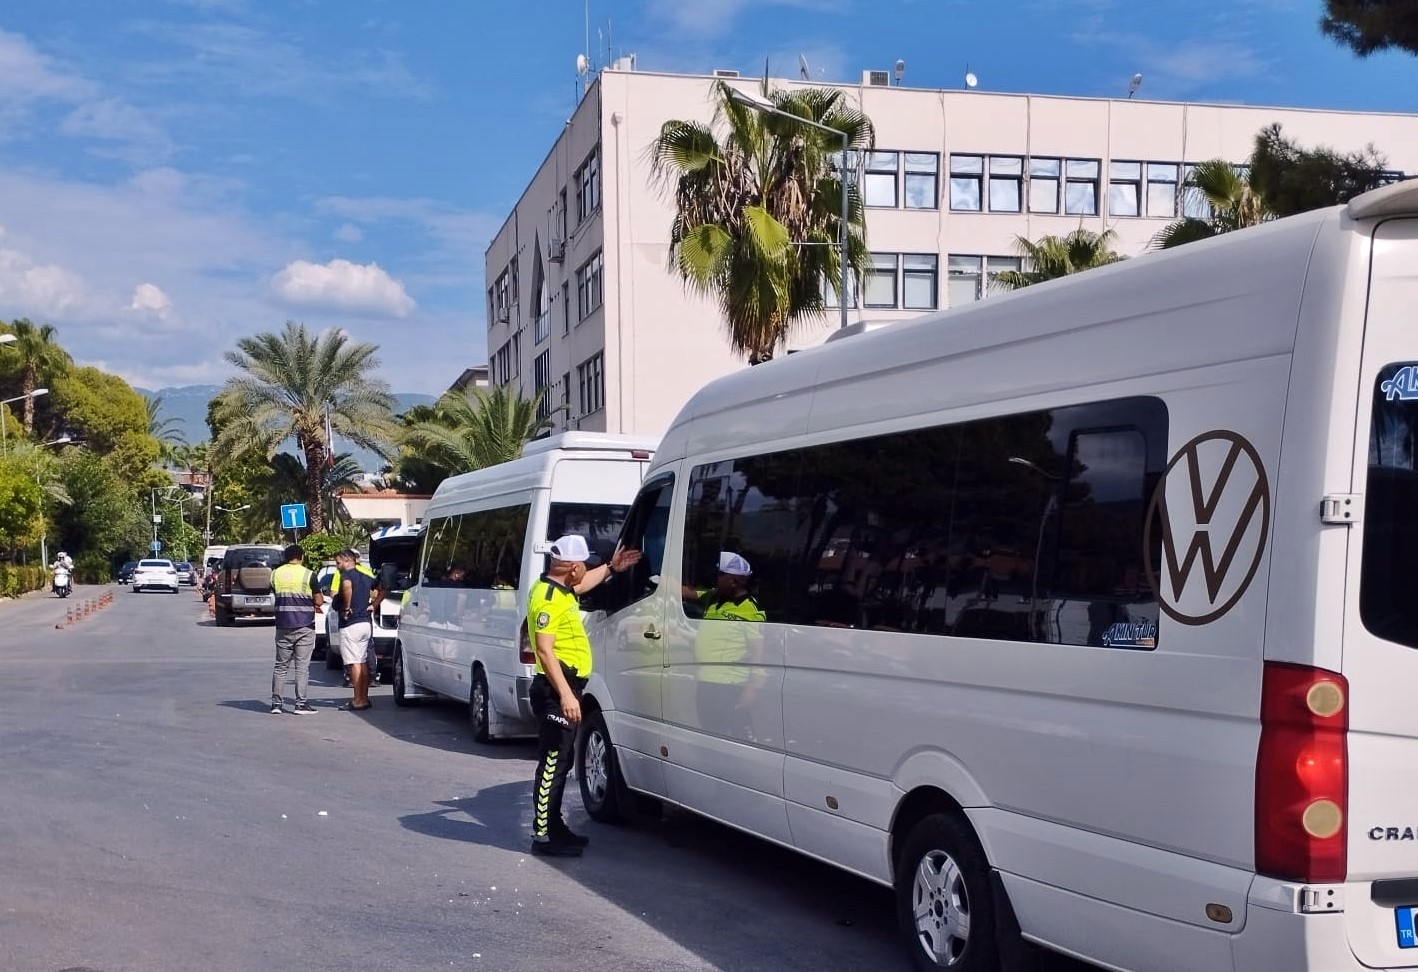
pixel 4 447
pixel 155 490
pixel 768 108
pixel 44 536
pixel 232 509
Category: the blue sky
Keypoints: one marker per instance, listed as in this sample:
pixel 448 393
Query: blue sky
pixel 177 173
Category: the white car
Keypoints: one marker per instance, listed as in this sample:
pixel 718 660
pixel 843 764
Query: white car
pixel 324 576
pixel 150 574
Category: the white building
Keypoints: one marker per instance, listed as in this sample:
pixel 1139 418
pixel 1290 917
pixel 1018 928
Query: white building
pixel 581 300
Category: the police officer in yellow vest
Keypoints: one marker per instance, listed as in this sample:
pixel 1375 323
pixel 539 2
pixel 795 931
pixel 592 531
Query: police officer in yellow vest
pixel 728 681
pixel 298 597
pixel 563 664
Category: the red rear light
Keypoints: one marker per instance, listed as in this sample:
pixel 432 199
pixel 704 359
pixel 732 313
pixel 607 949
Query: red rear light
pixel 524 649
pixel 1302 775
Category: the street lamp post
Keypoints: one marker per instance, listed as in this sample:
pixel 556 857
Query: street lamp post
pixel 4 446
pixel 154 490
pixel 231 509
pixel 44 536
pixel 760 105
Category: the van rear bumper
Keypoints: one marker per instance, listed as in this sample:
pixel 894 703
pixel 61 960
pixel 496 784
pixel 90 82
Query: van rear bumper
pixel 1277 937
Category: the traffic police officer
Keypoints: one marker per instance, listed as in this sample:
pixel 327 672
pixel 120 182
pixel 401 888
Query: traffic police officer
pixel 728 681
pixel 298 597
pixel 563 655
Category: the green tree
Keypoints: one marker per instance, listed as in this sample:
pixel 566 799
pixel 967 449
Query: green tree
pixel 292 381
pixel 757 209
pixel 1369 26
pixel 166 431
pixel 465 432
pixel 1231 199
pixel 21 505
pixel 411 471
pixel 105 516
pixel 40 359
pixel 1051 257
pixel 1294 180
pixel 108 416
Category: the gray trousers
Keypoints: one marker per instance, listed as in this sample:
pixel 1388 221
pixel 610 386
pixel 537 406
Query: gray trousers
pixel 292 644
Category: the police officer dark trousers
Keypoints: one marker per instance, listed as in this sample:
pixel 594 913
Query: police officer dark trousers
pixel 563 664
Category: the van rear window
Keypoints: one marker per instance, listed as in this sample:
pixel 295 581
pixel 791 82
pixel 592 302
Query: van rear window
pixel 1388 587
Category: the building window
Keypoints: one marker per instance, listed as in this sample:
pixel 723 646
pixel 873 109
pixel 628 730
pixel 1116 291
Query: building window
pixel 502 291
pixel 1006 184
pixel 588 186
pixel 922 180
pixel 1044 178
pixel 590 286
pixel 1162 190
pixel 541 379
pixel 920 281
pixel 561 218
pixel 591 379
pixel 491 306
pixel 972 278
pixel 514 286
pixel 1125 189
pixel 1081 187
pixel 516 355
pixel 1194 202
pixel 880 288
pixel 829 290
pixel 502 365
pixel 966 175
pixel 880 179
pixel 566 396
pixel 565 307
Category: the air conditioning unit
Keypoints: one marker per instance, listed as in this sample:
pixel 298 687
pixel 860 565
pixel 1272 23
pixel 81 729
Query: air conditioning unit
pixel 556 251
pixel 877 79
pixel 725 73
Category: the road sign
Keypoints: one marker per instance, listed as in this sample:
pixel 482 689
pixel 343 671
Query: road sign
pixel 293 516
pixel 156 545
pixel 157 518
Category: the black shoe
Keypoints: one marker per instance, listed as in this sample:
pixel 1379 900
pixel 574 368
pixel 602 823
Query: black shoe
pixel 303 707
pixel 277 708
pixel 565 835
pixel 554 848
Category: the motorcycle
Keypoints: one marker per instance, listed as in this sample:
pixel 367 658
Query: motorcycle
pixel 62 585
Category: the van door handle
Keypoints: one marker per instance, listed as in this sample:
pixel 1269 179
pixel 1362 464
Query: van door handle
pixel 651 634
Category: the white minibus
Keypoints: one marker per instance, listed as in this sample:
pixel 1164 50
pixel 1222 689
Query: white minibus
pixel 462 631
pixel 1084 617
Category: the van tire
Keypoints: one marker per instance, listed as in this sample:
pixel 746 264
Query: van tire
pixel 478 703
pixel 943 867
pixel 400 685
pixel 603 790
pixel 333 658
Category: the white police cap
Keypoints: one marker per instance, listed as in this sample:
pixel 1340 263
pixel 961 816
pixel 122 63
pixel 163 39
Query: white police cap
pixel 571 549
pixel 732 563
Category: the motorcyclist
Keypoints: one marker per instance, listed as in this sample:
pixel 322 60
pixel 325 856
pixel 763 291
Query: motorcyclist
pixel 63 568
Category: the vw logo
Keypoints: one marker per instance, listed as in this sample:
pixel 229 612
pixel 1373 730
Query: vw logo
pixel 1212 509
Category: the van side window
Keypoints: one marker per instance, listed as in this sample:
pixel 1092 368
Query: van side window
pixel 646 529
pixel 488 551
pixel 1389 575
pixel 1024 527
pixel 438 543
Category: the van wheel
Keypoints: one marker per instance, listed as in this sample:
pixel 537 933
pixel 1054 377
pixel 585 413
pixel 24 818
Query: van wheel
pixel 603 791
pixel 477 706
pixel 333 658
pixel 943 898
pixel 401 686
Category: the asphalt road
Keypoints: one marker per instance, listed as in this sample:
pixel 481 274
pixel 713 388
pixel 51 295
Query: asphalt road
pixel 154 815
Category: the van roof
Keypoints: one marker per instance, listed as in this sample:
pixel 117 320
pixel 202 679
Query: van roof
pixel 1398 199
pixel 1166 310
pixel 589 442
pixel 533 469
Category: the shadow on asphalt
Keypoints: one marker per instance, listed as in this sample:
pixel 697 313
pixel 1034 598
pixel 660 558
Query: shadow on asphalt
pixel 442 724
pixel 248 705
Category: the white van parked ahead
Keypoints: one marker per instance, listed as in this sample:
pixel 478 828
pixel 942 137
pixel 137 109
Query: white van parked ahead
pixel 462 633
pixel 1087 614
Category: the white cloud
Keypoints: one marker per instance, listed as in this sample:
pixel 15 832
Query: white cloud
pixel 149 299
pixel 716 18
pixel 28 288
pixel 28 75
pixel 348 233
pixel 342 285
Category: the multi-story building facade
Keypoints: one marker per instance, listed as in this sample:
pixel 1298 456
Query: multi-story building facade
pixel 582 302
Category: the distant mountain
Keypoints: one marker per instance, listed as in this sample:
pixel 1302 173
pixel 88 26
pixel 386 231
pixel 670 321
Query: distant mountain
pixel 188 405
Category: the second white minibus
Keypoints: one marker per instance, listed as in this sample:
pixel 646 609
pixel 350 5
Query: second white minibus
pixel 461 632
pixel 1085 616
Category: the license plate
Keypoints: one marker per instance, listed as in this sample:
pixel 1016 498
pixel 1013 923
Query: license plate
pixel 1406 917
pixel 254 601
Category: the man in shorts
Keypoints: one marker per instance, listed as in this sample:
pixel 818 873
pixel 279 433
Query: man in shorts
pixel 356 627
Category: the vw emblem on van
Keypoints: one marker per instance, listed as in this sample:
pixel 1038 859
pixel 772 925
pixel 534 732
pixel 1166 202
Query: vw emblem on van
pixel 1212 509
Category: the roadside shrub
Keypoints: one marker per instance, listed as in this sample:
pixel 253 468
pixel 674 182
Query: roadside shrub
pixel 16 580
pixel 93 568
pixel 320 547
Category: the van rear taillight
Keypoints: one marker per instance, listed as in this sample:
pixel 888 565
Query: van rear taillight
pixel 524 649
pixel 1302 775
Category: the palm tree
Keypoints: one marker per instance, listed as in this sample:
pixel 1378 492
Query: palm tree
pixel 296 382
pixel 466 433
pixel 286 482
pixel 1052 257
pixel 1233 202
pixel 757 212
pixel 41 359
pixel 165 430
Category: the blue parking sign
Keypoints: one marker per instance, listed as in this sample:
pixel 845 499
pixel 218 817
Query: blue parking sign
pixel 293 516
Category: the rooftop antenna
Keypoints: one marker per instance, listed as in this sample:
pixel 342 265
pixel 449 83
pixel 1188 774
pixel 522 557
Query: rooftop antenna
pixel 970 80
pixel 803 71
pixel 1134 84
pixel 900 70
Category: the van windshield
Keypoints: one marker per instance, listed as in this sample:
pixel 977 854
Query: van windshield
pixel 1388 588
pixel 253 557
pixel 393 560
pixel 599 523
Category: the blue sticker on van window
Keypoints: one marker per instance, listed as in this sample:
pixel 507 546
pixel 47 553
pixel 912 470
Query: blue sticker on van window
pixel 1403 386
pixel 1131 634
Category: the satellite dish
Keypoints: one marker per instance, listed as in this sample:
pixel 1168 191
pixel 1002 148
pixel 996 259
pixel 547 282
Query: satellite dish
pixel 582 64
pixel 803 70
pixel 970 79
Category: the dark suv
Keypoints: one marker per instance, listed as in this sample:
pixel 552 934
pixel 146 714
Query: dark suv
pixel 244 582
